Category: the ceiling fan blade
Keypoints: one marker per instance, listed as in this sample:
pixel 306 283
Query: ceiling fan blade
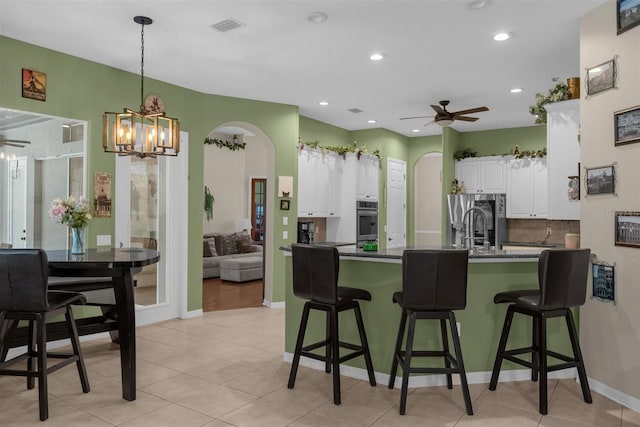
pixel 429 123
pixel 470 111
pixel 416 117
pixel 19 141
pixel 2 143
pixel 438 109
pixel 466 119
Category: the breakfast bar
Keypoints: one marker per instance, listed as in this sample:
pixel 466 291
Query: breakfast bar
pixel 380 273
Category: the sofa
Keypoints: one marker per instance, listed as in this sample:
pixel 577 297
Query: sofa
pixel 231 256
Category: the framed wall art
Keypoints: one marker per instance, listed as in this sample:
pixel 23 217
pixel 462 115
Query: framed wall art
pixel 34 84
pixel 627 229
pixel 603 275
pixel 628 15
pixel 600 180
pixel 284 205
pixel 626 125
pixel 601 77
pixel 102 194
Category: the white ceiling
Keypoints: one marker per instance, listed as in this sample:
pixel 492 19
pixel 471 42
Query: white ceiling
pixel 435 49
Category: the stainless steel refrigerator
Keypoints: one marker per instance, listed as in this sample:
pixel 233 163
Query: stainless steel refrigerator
pixel 473 219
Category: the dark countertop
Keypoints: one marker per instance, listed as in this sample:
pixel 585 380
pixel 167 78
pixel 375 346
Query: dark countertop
pixel 534 244
pixel 395 254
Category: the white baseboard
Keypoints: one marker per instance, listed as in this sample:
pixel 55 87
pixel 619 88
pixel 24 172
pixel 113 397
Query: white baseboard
pixel 270 304
pixel 431 380
pixel 615 395
pixel 191 314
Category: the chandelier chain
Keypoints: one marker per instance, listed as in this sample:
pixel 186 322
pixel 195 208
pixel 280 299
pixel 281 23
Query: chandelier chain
pixel 142 68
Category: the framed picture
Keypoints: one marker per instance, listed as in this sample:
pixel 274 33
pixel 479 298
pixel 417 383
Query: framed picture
pixel 600 180
pixel 284 205
pixel 626 124
pixel 603 281
pixel 628 14
pixel 102 194
pixel 601 77
pixel 627 229
pixel 34 85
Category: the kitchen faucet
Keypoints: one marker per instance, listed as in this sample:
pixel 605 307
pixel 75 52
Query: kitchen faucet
pixel 486 244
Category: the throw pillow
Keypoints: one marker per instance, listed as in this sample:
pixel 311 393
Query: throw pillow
pixel 244 245
pixel 229 245
pixel 212 246
pixel 206 251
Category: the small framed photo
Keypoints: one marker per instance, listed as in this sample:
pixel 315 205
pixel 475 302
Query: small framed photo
pixel 628 14
pixel 603 281
pixel 600 180
pixel 601 77
pixel 627 229
pixel 284 205
pixel 626 124
pixel 34 84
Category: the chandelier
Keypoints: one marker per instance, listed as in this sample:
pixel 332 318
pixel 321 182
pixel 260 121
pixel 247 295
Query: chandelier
pixel 145 133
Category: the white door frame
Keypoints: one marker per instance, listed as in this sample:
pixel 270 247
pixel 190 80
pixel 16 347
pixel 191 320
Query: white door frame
pixel 174 256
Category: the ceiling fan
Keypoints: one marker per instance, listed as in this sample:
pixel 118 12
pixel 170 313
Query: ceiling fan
pixel 13 142
pixel 444 118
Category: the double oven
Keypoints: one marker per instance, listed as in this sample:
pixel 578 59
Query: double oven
pixel 366 222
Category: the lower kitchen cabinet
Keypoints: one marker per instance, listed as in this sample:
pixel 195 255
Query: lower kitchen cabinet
pixel 527 188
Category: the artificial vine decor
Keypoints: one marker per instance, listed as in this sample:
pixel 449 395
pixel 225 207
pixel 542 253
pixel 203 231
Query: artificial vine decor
pixel 231 145
pixel 208 203
pixel 340 149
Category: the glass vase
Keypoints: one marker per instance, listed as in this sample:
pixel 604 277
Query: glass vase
pixel 78 240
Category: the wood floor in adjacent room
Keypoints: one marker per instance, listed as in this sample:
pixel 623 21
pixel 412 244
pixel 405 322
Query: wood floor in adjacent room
pixel 220 294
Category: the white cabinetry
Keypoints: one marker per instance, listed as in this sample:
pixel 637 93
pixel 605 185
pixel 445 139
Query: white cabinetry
pixel 563 152
pixel 482 175
pixel 367 177
pixel 319 183
pixel 527 188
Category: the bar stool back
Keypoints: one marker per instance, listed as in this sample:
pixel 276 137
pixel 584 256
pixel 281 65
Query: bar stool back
pixel 434 282
pixel 315 278
pixel 562 278
pixel 24 296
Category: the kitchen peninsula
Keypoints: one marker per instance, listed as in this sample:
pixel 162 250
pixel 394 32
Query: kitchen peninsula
pixel 380 272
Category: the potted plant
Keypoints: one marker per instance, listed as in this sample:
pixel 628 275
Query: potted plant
pixel 559 92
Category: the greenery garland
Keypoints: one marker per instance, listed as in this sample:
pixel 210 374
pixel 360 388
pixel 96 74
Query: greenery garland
pixel 233 146
pixel 340 149
pixel 559 92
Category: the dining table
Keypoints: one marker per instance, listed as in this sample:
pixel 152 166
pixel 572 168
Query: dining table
pixel 99 268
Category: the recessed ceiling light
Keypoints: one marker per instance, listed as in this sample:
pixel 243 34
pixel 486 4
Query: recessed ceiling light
pixel 371 121
pixel 323 103
pixel 377 56
pixel 317 17
pixel 500 37
pixel 516 90
pixel 415 130
pixel 479 4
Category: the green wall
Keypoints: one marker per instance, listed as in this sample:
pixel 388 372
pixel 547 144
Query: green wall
pixel 501 142
pixel 84 90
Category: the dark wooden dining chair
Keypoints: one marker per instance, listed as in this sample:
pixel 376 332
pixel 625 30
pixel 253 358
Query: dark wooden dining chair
pixel 24 295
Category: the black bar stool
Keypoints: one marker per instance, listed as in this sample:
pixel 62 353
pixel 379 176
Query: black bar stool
pixel 434 283
pixel 24 296
pixel 562 277
pixel 315 278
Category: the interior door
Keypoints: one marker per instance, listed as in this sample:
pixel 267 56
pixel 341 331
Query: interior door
pixel 18 201
pixel 150 211
pixel 396 203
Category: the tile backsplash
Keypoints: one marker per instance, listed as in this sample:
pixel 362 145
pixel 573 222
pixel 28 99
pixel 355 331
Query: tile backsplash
pixel 535 230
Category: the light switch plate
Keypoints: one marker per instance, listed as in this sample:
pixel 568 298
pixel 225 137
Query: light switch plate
pixel 285 220
pixel 104 240
pixel 285 234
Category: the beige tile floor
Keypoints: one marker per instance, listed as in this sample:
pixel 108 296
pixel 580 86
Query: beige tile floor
pixel 226 369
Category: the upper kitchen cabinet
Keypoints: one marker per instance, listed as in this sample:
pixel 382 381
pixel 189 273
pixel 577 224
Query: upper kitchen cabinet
pixel 368 168
pixel 527 190
pixel 563 150
pixel 319 183
pixel 482 175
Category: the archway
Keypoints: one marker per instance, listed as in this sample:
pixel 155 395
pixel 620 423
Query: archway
pixel 228 173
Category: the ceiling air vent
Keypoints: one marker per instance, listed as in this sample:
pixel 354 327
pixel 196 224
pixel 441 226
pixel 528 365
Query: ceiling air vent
pixel 355 110
pixel 227 25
